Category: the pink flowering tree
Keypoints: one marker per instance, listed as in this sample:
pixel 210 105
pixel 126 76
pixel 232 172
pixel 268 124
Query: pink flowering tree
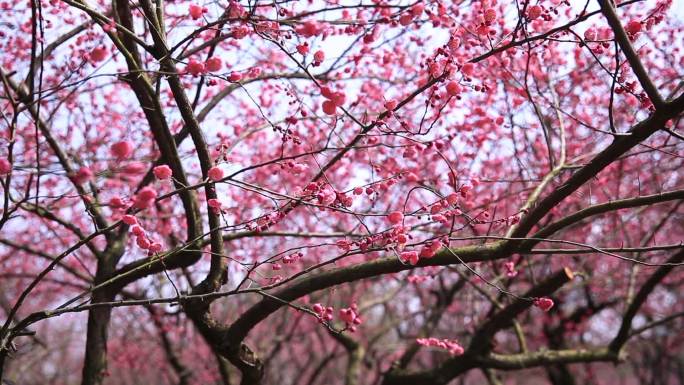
pixel 341 192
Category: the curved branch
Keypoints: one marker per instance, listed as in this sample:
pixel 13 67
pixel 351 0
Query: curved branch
pixel 630 53
pixel 546 357
pixel 606 207
pixel 621 144
pixel 624 333
pixel 309 284
pixel 481 343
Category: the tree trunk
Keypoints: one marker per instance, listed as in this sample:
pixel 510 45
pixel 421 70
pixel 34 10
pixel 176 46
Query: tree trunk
pixel 95 361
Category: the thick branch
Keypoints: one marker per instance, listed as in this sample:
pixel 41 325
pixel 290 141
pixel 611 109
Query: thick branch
pixel 641 296
pixel 547 357
pixel 309 284
pixel 606 207
pixel 630 53
pixel 619 147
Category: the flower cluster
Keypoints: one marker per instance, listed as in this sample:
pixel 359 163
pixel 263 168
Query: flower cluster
pixel 452 346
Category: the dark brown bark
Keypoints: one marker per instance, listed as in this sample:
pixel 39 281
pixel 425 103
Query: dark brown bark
pixel 95 361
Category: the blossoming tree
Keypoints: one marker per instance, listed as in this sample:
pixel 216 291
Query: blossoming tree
pixel 341 192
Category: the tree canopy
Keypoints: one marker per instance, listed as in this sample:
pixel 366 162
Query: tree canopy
pixel 341 192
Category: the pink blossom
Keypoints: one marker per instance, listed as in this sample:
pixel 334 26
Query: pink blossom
pixel 215 173
pixel 395 217
pixel 162 172
pixel 122 149
pixel 543 303
pixel 129 220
